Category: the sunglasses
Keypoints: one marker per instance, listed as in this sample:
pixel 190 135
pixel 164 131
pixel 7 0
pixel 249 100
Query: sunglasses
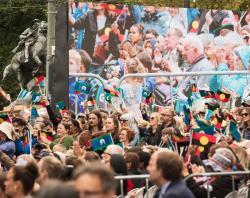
pixel 246 38
pixel 152 118
pixel 123 120
pixel 244 114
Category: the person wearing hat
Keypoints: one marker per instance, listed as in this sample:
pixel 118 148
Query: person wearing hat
pixel 223 160
pixel 246 102
pixel 7 144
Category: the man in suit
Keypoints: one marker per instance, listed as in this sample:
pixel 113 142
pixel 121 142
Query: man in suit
pixel 165 170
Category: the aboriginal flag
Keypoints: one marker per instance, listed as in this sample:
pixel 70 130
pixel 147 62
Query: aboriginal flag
pixel 222 96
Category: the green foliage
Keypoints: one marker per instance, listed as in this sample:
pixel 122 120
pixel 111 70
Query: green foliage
pixel 15 17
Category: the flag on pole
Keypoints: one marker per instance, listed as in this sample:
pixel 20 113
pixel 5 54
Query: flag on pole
pixel 222 96
pixel 4 118
pixel 60 106
pixel 209 113
pixel 149 99
pixel 207 94
pixel 234 131
pixel 120 90
pixel 194 88
pixel 112 92
pixel 145 93
pixel 187 115
pixel 40 79
pixel 108 97
pixel 204 126
pixel 34 113
pixel 203 140
pixel 82 87
pixel 23 94
pixel 100 143
pixel 36 97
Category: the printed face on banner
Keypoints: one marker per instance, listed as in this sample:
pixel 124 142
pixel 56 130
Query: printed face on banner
pixel 113 40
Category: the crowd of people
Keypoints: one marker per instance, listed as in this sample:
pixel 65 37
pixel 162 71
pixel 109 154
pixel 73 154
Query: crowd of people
pixel 57 156
pixel 205 128
pixel 115 40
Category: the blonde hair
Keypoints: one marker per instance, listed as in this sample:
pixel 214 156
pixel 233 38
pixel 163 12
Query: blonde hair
pixel 179 123
pixel 157 116
pixel 75 55
pixel 242 156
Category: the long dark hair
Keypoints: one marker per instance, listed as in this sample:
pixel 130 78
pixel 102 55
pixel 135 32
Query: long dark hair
pixel 99 116
pixel 119 166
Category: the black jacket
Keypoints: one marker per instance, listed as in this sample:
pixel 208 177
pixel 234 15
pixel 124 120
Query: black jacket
pixel 89 23
pixel 220 187
pixel 151 138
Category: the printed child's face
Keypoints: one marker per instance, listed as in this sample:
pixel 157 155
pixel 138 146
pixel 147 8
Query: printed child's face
pixel 74 67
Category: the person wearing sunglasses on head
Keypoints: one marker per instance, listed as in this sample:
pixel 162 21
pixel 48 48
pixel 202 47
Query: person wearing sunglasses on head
pixel 245 124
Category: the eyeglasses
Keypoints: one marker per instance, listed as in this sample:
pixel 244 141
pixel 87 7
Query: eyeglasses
pixel 166 115
pixel 244 114
pixel 123 120
pixel 107 153
pixel 153 118
pixel 91 193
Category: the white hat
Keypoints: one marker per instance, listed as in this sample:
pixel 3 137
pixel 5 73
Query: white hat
pixel 7 129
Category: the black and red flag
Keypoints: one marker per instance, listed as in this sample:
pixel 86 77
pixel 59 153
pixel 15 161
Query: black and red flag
pixel 222 96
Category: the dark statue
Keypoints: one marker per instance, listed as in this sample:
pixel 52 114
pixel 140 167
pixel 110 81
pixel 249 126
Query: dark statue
pixel 29 60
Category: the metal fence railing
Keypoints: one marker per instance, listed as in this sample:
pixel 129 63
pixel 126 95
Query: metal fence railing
pixel 169 75
pixel 207 175
pixel 183 74
pixel 126 177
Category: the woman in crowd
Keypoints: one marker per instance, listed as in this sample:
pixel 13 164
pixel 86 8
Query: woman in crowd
pixel 127 120
pixel 245 125
pixel 75 129
pixel 63 136
pixel 153 134
pixel 7 144
pixel 118 164
pixel 112 126
pixel 133 161
pixel 38 128
pixel 136 36
pixel 126 136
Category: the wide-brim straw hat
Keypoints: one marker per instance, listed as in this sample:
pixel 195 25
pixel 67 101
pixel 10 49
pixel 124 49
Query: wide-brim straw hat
pixel 7 129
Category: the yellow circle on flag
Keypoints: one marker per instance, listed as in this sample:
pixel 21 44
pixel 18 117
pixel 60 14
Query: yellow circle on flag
pixel 195 25
pixel 107 31
pixel 1 120
pixel 204 140
pixel 201 148
pixel 222 96
pixel 215 121
pixel 112 7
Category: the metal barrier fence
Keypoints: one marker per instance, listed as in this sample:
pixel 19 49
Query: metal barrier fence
pixel 207 175
pixel 170 75
pixel 186 74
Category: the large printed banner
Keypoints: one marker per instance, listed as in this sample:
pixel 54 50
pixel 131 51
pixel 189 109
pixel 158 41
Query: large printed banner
pixel 112 40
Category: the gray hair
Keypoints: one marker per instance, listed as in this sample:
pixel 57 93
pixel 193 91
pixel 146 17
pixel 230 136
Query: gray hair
pixel 234 39
pixel 194 41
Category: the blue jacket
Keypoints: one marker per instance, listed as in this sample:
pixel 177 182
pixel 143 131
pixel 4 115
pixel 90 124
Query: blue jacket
pixel 235 83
